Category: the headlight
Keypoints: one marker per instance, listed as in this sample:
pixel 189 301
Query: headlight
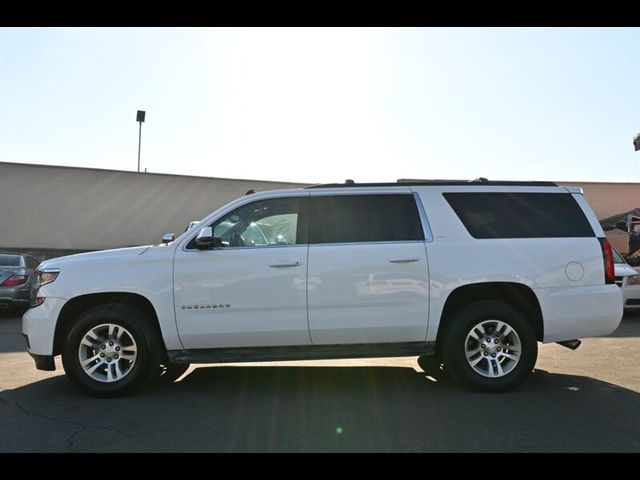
pixel 633 280
pixel 44 277
pixel 48 276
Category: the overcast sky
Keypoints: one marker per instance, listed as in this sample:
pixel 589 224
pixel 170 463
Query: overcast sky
pixel 326 104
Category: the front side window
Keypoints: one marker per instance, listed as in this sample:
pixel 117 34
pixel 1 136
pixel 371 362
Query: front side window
pixel 364 218
pixel 265 223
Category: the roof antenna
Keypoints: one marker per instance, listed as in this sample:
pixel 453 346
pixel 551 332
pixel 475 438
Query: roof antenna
pixel 348 181
pixel 249 192
pixel 480 180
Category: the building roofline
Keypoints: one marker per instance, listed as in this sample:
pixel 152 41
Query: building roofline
pixel 67 167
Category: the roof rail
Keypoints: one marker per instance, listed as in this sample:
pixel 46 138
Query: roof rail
pixel 408 182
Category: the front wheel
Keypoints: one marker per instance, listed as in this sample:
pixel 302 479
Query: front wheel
pixel 111 350
pixel 490 346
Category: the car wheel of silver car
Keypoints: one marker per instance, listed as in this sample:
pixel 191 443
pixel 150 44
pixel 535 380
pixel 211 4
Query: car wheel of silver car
pixel 111 350
pixel 490 346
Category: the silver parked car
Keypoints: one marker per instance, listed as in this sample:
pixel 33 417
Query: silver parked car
pixel 17 274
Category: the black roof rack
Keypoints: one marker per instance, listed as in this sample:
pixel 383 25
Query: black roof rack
pixel 409 182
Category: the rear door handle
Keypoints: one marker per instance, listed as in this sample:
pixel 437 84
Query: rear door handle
pixel 404 259
pixel 285 263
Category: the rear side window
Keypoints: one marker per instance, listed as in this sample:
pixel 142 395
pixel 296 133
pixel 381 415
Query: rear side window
pixel 9 260
pixel 364 218
pixel 520 215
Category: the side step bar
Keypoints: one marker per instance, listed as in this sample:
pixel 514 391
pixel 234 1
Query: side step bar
pixel 570 344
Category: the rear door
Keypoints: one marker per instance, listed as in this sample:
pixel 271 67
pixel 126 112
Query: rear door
pixel 368 277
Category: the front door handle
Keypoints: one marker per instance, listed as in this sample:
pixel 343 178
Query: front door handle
pixel 404 259
pixel 285 263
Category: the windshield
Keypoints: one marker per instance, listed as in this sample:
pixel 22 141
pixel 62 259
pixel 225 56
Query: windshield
pixel 9 261
pixel 617 258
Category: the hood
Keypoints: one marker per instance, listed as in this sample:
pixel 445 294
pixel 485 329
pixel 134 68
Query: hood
pixel 99 255
pixel 624 270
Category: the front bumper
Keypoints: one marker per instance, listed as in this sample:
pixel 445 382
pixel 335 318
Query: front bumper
pixel 44 362
pixel 39 325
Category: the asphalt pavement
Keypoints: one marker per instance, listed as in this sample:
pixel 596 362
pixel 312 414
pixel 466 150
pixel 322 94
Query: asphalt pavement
pixel 586 400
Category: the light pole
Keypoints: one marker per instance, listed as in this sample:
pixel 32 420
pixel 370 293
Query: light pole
pixel 140 118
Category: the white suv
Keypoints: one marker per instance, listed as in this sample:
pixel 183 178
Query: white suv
pixel 468 274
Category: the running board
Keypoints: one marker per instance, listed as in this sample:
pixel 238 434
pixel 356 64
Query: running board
pixel 570 344
pixel 300 352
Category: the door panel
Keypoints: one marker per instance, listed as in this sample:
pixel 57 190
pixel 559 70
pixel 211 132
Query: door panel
pixel 251 297
pixel 368 293
pixel 251 290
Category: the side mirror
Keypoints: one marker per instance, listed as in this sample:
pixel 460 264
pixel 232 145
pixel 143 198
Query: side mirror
pixel 168 238
pixel 206 240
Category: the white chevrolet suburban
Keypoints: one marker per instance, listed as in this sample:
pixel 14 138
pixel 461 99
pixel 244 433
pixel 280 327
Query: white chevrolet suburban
pixel 468 276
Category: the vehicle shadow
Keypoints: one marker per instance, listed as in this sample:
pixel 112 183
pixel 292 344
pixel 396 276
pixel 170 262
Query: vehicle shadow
pixel 293 408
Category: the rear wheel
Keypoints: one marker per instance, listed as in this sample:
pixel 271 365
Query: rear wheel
pixel 490 346
pixel 111 350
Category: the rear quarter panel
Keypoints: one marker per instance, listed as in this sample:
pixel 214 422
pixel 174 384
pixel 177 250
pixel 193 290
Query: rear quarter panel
pixel 566 274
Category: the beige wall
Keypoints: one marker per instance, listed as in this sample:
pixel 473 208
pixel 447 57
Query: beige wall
pixel 48 207
pixel 607 199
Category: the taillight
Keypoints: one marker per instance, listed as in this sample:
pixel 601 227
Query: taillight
pixel 15 280
pixel 607 256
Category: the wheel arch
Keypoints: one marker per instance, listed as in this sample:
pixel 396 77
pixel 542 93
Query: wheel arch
pixel 76 305
pixel 518 295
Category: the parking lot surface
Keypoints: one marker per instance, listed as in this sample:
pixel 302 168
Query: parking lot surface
pixel 576 401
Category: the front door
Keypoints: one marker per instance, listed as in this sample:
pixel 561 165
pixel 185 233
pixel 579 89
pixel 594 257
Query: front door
pixel 251 291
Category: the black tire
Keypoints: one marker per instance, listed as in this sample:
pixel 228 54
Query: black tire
pixel 145 334
pixel 170 372
pixel 455 338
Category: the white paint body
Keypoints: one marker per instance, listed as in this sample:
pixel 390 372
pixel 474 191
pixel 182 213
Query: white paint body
pixel 378 292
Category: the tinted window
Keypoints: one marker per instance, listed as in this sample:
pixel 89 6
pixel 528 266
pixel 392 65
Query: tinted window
pixel 520 215
pixel 364 218
pixel 263 223
pixel 9 260
pixel 32 263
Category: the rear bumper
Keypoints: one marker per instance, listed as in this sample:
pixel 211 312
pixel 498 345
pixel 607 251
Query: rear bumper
pixel 8 302
pixel 580 312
